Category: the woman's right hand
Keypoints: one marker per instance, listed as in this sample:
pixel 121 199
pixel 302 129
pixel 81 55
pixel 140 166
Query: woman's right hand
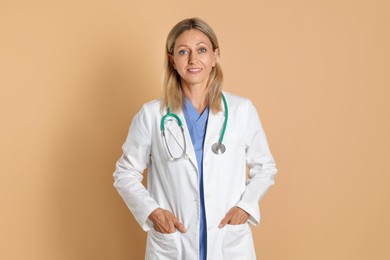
pixel 165 222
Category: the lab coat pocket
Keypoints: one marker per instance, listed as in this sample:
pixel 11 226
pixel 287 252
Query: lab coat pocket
pixel 238 243
pixel 161 246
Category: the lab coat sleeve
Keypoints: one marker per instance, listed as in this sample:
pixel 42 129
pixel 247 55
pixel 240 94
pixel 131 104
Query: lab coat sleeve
pixel 261 166
pixel 130 167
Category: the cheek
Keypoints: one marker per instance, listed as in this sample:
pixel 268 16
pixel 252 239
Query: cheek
pixel 212 61
pixel 180 63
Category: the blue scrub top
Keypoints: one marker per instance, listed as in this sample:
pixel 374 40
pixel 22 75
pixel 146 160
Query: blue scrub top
pixel 197 124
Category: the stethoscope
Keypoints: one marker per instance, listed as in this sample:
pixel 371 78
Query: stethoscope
pixel 217 148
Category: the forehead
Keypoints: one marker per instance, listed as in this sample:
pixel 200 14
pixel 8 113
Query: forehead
pixel 191 37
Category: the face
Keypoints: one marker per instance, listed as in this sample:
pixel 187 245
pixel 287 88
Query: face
pixel 193 58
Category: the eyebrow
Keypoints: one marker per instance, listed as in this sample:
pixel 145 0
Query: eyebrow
pixel 183 45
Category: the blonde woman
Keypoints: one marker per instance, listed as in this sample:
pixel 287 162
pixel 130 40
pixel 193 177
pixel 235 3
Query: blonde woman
pixel 196 142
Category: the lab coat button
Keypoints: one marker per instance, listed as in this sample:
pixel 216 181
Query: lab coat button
pixel 207 195
pixel 209 228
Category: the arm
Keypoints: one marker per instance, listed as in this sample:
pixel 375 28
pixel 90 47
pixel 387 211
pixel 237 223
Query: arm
pixel 130 167
pixel 128 179
pixel 261 166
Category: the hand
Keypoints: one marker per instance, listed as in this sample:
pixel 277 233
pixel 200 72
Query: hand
pixel 165 222
pixel 235 216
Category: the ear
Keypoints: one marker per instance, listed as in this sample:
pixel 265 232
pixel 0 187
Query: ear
pixel 172 60
pixel 216 56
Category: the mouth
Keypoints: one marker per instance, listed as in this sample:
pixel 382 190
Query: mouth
pixel 194 70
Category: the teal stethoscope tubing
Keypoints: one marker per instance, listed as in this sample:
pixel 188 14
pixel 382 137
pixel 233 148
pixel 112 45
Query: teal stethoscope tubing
pixel 218 148
pixel 225 121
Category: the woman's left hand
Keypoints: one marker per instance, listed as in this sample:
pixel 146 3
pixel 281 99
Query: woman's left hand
pixel 235 216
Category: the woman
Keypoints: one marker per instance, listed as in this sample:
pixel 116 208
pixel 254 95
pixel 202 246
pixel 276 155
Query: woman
pixel 198 202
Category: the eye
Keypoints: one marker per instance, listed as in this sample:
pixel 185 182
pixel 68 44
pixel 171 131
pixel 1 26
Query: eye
pixel 202 50
pixel 183 52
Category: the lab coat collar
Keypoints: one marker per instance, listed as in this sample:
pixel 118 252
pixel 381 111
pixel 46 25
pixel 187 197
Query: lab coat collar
pixel 213 132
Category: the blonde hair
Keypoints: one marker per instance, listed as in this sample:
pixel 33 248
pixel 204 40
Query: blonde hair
pixel 172 92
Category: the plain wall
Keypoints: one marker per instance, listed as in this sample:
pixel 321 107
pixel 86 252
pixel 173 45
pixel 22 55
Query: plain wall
pixel 73 74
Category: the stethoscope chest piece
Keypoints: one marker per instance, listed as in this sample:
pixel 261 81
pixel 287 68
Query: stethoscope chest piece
pixel 218 148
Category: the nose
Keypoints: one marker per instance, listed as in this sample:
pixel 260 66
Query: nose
pixel 191 58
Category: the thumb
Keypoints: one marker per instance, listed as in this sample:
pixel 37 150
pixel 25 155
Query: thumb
pixel 180 226
pixel 224 221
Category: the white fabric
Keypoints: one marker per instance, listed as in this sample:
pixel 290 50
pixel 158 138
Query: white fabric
pixel 173 185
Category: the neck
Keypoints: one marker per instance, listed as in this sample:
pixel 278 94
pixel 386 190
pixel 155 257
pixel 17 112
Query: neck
pixel 197 96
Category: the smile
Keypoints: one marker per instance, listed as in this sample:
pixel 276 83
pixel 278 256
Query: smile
pixel 194 70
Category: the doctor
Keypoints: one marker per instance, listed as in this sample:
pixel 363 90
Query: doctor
pixel 196 143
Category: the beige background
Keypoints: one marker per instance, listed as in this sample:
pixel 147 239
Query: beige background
pixel 73 73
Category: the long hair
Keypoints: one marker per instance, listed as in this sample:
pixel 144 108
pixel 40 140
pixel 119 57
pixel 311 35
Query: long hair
pixel 172 96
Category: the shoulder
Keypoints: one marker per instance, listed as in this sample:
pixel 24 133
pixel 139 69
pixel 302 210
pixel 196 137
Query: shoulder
pixel 152 105
pixel 237 101
pixel 146 115
pixel 148 111
pixel 151 108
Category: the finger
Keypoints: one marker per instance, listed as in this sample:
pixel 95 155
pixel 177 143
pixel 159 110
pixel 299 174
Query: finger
pixel 164 227
pixel 227 218
pixel 239 217
pixel 163 223
pixel 224 221
pixel 160 228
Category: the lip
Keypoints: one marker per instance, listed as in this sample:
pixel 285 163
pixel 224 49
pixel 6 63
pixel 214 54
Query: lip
pixel 194 70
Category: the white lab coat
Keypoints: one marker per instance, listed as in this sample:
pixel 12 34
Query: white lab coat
pixel 174 186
